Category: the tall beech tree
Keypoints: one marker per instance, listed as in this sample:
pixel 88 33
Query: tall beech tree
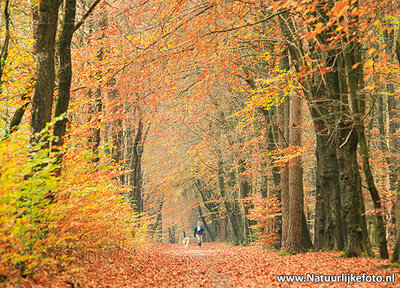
pixel 295 180
pixel 136 177
pixel 44 49
pixel 64 74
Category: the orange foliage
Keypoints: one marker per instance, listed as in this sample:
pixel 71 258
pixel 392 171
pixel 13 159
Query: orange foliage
pixel 266 212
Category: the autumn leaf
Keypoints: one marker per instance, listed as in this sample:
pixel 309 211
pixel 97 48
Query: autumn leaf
pixel 369 63
pixel 319 27
pixel 371 50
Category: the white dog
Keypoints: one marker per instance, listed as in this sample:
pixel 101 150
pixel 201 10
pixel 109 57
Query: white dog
pixel 186 242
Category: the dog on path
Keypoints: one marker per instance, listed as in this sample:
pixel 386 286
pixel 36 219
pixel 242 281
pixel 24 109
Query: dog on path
pixel 186 242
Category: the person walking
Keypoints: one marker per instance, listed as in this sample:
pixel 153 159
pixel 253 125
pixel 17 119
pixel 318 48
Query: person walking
pixel 198 233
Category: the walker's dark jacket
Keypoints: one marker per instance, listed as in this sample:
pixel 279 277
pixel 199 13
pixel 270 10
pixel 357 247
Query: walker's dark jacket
pixel 200 232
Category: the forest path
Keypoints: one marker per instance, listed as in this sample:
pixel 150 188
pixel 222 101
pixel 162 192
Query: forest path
pixel 212 265
pixel 221 265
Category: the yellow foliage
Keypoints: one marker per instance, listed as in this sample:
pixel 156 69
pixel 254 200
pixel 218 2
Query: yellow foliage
pixel 47 219
pixel 271 92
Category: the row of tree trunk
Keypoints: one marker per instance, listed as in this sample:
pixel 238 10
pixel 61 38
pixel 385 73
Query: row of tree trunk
pixel 337 102
pixel 338 106
pixel 52 44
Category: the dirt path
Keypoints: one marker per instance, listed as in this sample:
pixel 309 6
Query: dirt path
pixel 212 265
pixel 219 265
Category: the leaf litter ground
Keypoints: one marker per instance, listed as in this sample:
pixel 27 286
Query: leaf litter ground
pixel 221 265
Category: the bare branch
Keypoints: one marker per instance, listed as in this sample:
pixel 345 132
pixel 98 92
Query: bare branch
pixel 79 24
pixel 251 24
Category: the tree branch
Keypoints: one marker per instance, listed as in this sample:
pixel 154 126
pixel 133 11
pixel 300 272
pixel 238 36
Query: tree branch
pixel 4 50
pixel 79 24
pixel 250 24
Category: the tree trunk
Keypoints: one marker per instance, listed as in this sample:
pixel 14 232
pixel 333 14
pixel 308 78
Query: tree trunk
pixel 223 225
pixel 350 180
pixel 273 144
pixel 329 229
pixel 211 206
pixel 64 76
pixel 244 187
pixel 284 179
pixel 136 168
pixel 398 48
pixel 19 114
pixel 380 225
pixel 283 138
pixel 4 49
pixel 65 70
pixel 293 240
pixel 45 29
pixel 95 109
pixel 135 196
pixel 305 241
pixel 231 210
pixel 117 137
pixel 158 224
pixel 203 219
pixel 396 251
pixel 352 200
